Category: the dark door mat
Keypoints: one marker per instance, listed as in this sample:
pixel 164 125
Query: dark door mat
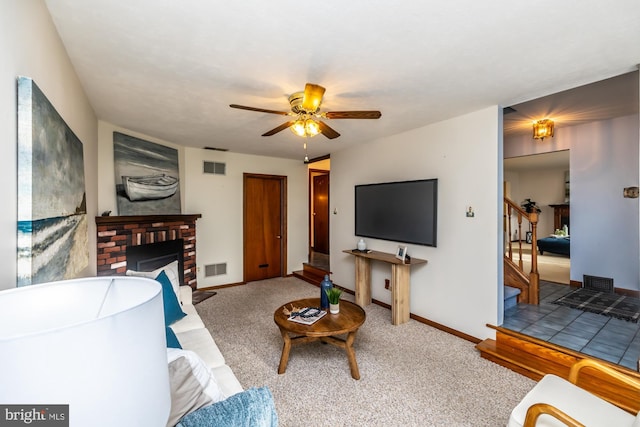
pixel 199 296
pixel 614 305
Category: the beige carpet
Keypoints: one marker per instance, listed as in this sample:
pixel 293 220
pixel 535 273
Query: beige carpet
pixel 411 374
pixel 552 267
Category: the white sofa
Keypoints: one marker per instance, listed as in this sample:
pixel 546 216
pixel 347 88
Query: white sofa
pixel 194 336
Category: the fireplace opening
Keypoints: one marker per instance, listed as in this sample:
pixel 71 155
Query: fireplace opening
pixel 151 256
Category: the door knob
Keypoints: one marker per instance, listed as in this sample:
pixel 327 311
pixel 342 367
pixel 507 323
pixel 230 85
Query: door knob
pixel 278 237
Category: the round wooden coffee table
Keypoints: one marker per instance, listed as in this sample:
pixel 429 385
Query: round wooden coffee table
pixel 350 318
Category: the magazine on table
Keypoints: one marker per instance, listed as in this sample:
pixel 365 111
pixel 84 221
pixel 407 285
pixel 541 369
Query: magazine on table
pixel 307 315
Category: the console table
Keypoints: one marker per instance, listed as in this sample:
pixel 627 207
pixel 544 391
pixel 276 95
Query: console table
pixel 400 281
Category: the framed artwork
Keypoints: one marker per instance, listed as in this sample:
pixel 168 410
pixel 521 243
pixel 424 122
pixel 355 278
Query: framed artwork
pixel 147 177
pixel 401 253
pixel 53 240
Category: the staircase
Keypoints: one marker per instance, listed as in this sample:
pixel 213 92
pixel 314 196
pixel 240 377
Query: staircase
pixel 514 275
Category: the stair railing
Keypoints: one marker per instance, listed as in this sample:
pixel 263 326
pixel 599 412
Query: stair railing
pixel 511 211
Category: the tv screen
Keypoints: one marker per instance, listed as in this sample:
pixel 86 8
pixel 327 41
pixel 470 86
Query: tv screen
pixel 403 212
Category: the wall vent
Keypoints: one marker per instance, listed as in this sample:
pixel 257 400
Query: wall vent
pixel 215 168
pixel 215 269
pixel 602 284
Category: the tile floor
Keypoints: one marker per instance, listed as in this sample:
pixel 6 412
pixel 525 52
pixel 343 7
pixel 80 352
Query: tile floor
pixel 608 338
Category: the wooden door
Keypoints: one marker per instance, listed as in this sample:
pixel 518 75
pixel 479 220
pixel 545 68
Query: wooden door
pixel 264 226
pixel 320 213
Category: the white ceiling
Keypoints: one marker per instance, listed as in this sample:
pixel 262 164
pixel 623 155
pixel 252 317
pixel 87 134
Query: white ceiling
pixel 170 69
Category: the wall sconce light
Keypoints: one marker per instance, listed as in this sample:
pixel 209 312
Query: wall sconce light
pixel 542 129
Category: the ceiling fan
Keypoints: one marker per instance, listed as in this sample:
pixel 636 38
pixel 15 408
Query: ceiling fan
pixel 305 114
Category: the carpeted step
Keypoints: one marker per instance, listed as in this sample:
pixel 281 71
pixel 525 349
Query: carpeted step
pixel 510 296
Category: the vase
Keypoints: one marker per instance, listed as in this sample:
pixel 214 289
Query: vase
pixel 334 308
pixel 362 245
pixel 325 285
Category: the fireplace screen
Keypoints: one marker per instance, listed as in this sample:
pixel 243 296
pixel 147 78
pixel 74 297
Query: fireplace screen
pixel 155 255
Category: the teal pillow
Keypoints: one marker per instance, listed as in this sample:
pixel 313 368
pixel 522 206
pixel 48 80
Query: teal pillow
pixel 172 340
pixel 252 407
pixel 172 310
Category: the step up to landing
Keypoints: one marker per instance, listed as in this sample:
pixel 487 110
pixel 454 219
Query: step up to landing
pixel 510 297
pixel 311 274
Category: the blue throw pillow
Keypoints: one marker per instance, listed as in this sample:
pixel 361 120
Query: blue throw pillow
pixel 172 310
pixel 172 340
pixel 252 407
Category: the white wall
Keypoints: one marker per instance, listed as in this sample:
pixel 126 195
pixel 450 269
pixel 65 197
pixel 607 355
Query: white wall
pixel 29 46
pixel 219 199
pixel 604 225
pixel 459 286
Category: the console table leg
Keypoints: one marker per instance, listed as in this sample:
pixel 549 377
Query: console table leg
pixel 400 293
pixel 363 281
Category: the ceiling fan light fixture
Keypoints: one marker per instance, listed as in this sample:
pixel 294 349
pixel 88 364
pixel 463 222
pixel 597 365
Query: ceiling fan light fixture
pixel 298 128
pixel 542 129
pixel 305 127
pixel 311 127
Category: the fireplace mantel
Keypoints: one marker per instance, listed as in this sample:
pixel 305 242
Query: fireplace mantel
pixel 133 219
pixel 115 233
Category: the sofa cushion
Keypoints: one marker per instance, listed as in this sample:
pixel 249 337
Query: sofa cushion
pixel 191 321
pixel 253 407
pixel 171 270
pixel 172 310
pixel 201 342
pixel 226 380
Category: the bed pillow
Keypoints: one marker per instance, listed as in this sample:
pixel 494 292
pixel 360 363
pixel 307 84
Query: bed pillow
pixel 172 310
pixel 171 270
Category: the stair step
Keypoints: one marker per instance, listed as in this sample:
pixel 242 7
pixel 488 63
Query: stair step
pixel 309 276
pixel 510 297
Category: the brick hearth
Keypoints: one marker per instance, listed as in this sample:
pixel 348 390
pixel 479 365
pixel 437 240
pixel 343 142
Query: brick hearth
pixel 115 233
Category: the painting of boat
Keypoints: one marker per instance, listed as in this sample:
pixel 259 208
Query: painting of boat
pixel 149 187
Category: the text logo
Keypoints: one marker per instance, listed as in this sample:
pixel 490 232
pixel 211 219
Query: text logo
pixel 34 415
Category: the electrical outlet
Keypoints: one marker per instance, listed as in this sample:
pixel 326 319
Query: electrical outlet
pixel 386 283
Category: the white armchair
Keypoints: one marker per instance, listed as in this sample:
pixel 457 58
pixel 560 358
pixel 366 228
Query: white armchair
pixel 555 401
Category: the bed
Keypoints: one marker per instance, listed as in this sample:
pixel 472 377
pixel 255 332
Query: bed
pixel 555 245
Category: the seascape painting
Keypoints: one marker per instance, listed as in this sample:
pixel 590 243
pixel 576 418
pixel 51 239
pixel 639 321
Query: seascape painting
pixel 147 177
pixel 52 230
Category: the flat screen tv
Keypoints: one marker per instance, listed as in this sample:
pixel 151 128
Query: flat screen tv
pixel 403 212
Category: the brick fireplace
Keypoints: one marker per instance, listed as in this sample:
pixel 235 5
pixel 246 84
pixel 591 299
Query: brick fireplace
pixel 116 233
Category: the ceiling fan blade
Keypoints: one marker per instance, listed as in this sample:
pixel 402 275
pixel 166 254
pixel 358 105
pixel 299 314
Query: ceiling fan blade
pixel 352 114
pixel 328 131
pixel 261 110
pixel 279 128
pixel 312 97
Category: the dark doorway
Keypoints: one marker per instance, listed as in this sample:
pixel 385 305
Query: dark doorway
pixel 320 211
pixel 264 226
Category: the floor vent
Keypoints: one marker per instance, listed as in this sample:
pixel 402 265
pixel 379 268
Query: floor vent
pixel 215 168
pixel 215 269
pixel 601 284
